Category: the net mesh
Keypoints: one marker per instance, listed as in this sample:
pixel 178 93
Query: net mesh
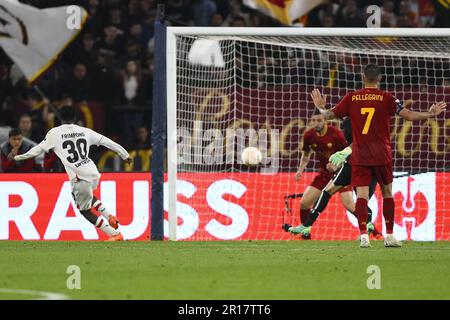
pixel 239 91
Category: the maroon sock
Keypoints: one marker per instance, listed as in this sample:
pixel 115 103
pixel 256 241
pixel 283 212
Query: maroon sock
pixel 304 213
pixel 361 211
pixel 388 213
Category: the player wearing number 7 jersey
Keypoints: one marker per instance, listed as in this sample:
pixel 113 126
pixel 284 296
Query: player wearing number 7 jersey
pixel 71 143
pixel 370 110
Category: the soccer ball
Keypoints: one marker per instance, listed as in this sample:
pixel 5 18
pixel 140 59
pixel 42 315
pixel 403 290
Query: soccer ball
pixel 251 156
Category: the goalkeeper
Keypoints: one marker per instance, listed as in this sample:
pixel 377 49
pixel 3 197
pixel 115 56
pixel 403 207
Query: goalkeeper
pixel 340 180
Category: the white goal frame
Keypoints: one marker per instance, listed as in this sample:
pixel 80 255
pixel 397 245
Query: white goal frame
pixel 171 54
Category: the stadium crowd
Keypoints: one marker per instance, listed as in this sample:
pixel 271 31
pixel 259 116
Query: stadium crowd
pixel 108 71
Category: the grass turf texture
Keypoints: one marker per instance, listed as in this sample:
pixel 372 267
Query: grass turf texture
pixel 226 270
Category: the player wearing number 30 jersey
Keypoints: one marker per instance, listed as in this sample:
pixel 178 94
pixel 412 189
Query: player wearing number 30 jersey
pixel 71 143
pixel 370 110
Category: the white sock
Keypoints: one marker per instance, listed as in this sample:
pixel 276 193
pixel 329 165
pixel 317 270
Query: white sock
pixel 98 205
pixel 106 228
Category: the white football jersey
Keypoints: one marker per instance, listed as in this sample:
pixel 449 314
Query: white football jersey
pixel 71 143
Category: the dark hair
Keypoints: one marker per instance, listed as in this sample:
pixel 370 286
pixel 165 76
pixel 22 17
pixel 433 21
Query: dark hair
pixel 68 114
pixel 371 72
pixel 14 132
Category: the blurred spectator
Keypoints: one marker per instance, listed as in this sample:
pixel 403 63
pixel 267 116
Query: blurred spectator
pixel 406 16
pixel 134 88
pixel 316 16
pixel 142 139
pixel 30 130
pixel 238 22
pixel 349 15
pixel 133 84
pixel 179 11
pixel 117 20
pixel 111 45
pixel 78 86
pixel 88 52
pixel 104 77
pixel 236 11
pixel 52 163
pixel 203 10
pixel 327 21
pixel 132 52
pixel 256 20
pixel 136 34
pixel 388 17
pixel 5 90
pixel 14 146
pixel 95 21
pixel 426 12
pixel 216 20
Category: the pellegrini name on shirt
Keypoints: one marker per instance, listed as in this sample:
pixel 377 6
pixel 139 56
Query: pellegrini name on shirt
pixel 367 96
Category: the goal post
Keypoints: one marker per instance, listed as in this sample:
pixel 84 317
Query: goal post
pixel 230 88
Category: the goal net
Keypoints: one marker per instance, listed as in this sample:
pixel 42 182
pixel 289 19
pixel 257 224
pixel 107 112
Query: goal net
pixel 229 89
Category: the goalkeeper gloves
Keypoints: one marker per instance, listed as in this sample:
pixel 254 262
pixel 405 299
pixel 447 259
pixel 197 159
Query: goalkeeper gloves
pixel 340 157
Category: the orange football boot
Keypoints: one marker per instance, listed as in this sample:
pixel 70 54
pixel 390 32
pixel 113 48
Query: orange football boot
pixel 119 237
pixel 113 221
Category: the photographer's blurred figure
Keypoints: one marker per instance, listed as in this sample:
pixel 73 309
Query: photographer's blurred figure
pixel 14 146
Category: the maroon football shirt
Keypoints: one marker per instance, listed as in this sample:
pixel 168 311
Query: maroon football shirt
pixel 370 111
pixel 324 145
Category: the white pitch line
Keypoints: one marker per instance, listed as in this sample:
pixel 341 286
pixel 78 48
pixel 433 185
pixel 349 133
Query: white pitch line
pixel 42 294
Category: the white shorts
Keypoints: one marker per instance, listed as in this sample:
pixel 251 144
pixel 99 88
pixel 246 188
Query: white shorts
pixel 82 193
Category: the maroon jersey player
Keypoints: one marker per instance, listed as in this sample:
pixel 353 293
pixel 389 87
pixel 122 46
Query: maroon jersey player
pixel 323 140
pixel 370 110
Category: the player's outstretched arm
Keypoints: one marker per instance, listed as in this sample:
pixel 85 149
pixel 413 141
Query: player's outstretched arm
pixel 33 152
pixel 320 102
pixel 117 148
pixel 434 111
pixel 306 156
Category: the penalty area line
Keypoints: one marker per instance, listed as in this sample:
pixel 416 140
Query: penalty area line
pixel 41 295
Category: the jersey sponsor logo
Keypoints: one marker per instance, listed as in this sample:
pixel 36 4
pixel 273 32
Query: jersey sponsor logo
pixel 367 97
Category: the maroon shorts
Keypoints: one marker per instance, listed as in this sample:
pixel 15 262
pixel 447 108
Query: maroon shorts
pixel 321 180
pixel 361 175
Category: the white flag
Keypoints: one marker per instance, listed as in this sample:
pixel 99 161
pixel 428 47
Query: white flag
pixel 34 38
pixel 286 11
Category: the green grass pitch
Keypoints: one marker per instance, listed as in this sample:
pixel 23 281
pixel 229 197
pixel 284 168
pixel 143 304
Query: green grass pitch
pixel 225 270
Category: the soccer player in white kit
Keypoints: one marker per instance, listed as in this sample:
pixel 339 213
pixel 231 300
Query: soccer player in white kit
pixel 71 144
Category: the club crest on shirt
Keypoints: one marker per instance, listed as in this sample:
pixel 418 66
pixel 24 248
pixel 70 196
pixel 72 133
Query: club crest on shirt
pixel 329 145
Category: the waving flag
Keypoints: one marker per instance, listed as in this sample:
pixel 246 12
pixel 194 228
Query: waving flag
pixel 35 38
pixel 285 11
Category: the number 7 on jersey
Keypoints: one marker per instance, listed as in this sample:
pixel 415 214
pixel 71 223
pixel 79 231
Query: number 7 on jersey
pixel 370 111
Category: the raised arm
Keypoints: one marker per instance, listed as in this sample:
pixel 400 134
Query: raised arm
pixel 306 156
pixel 320 102
pixel 435 110
pixel 33 152
pixel 105 141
